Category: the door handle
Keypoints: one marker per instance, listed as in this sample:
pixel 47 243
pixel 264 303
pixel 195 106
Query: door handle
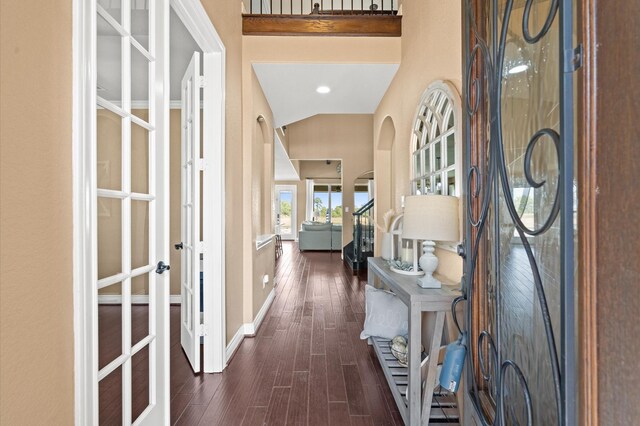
pixel 179 246
pixel 162 267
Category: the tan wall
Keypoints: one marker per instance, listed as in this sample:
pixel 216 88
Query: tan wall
pixel 36 245
pixel 427 55
pixel 347 50
pixel 320 170
pixel 258 140
pixel 226 17
pixel 264 263
pixel 347 137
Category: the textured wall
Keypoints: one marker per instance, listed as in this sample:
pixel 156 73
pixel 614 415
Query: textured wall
pixel 226 17
pixel 431 50
pixel 36 281
pixel 347 137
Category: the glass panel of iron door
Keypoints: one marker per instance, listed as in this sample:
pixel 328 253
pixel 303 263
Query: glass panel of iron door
pixel 530 102
pixel 514 219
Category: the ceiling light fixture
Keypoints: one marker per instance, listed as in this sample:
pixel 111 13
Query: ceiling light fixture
pixel 518 69
pixel 323 89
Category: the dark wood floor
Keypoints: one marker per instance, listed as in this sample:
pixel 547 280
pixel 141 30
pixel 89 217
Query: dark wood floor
pixel 306 365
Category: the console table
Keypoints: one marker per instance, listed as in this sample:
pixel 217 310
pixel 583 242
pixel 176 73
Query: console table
pixel 405 382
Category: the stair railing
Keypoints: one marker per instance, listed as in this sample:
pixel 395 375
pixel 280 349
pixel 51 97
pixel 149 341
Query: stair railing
pixel 321 7
pixel 363 232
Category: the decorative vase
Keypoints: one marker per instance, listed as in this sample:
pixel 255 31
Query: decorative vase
pixel 386 243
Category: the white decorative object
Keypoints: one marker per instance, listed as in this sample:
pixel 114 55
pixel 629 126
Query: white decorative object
pixel 430 218
pixel 395 229
pixel 386 315
pixel 404 268
pixel 386 243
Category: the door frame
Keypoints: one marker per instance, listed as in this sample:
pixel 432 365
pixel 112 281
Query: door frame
pixel 197 21
pixel 294 217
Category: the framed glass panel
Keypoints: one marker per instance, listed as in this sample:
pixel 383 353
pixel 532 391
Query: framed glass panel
pixel 110 317
pixel 113 8
pixel 320 202
pixel 286 201
pixel 336 205
pixel 109 150
pixel 139 159
pixel 451 182
pixel 109 237
pixel 140 21
pixel 451 149
pixel 437 156
pixel 140 71
pixel 109 61
pixel 438 151
pixel 139 234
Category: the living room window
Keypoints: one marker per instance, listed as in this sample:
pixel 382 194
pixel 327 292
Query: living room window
pixel 327 204
pixel 435 156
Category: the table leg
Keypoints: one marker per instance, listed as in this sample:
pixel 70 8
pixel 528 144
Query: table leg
pixel 432 371
pixel 414 389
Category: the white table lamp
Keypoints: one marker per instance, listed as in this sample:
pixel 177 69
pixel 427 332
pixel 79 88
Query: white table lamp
pixel 430 218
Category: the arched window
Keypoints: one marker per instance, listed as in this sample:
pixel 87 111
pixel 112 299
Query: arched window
pixel 435 152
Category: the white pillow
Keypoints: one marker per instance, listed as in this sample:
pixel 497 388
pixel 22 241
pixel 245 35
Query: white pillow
pixel 386 315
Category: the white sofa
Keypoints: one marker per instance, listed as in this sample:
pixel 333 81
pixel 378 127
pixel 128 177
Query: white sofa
pixel 320 236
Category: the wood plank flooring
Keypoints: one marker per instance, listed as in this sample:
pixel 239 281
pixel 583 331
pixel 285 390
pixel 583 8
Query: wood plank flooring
pixel 305 366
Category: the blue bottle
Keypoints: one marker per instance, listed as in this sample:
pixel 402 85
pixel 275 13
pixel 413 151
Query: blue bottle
pixel 453 365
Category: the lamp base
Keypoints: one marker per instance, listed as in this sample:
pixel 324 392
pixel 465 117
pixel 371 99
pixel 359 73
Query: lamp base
pixel 429 263
pixel 428 281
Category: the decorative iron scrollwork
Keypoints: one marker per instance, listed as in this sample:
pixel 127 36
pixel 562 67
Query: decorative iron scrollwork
pixel 483 88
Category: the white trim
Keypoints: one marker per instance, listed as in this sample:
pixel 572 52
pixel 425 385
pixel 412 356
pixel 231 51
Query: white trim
pixel 263 241
pixel 173 104
pixel 139 299
pixel 234 344
pixel 197 21
pixel 251 328
pixel 84 360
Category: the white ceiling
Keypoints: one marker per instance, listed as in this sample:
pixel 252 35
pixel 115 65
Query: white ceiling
pixel 291 88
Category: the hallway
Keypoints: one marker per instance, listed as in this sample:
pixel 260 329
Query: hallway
pixel 306 364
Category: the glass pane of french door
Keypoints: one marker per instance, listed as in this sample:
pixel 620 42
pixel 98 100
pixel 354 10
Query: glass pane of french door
pixel 286 205
pixel 125 138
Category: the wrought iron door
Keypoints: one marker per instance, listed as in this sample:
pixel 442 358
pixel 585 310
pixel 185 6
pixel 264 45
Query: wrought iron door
pixel 520 215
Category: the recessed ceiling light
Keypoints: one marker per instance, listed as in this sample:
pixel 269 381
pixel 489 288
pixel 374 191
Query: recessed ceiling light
pixel 323 89
pixel 518 69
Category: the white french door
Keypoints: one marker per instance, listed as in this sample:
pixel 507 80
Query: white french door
pixel 191 166
pixel 122 198
pixel 286 205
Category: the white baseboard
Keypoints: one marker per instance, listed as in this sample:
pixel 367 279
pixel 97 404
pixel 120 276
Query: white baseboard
pixel 234 344
pixel 114 299
pixel 249 329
